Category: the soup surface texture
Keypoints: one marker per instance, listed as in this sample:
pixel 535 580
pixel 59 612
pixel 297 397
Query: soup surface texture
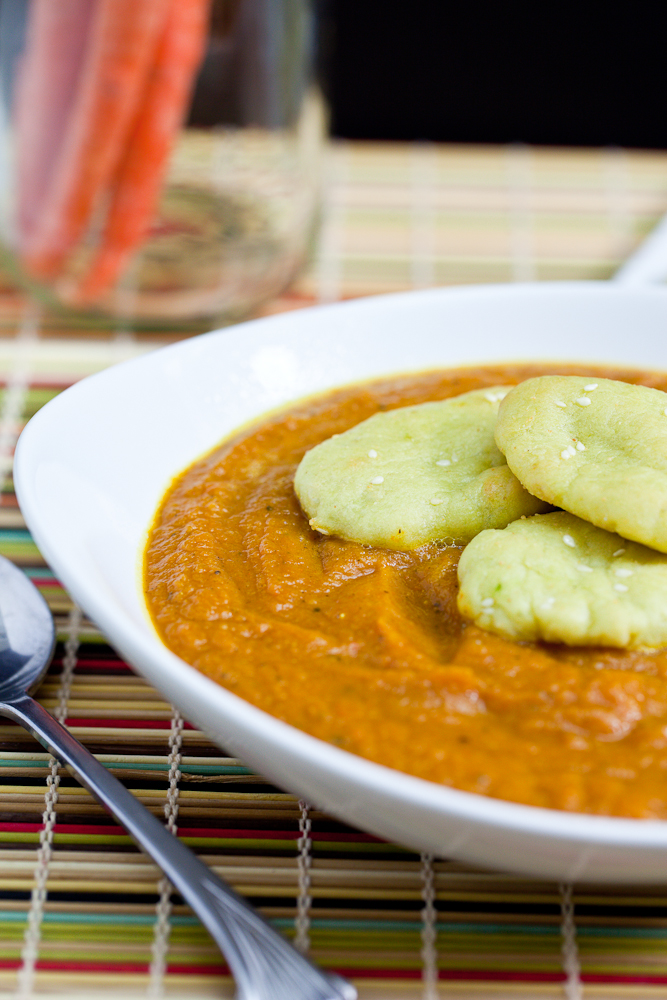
pixel 365 648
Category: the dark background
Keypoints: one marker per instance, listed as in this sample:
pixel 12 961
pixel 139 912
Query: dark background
pixel 471 71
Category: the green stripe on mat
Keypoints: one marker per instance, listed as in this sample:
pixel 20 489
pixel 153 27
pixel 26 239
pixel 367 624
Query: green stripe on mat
pixel 185 768
pixel 89 637
pixel 389 927
pixel 13 550
pixel 9 837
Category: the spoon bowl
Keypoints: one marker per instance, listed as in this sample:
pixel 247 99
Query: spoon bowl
pixel 27 633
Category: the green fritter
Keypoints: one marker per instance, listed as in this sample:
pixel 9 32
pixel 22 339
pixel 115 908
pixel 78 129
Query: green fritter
pixel 560 579
pixel 414 475
pixel 596 447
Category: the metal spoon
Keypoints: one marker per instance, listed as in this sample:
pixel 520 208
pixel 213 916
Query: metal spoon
pixel 264 964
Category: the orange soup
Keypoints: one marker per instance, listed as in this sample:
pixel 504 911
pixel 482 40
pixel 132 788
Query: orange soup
pixel 365 648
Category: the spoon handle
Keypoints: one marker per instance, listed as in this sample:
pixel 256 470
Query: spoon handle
pixel 263 963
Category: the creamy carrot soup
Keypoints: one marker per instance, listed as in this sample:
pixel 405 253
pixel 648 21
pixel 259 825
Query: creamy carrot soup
pixel 365 648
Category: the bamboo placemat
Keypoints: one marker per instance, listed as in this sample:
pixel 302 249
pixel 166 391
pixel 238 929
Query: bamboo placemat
pixel 81 910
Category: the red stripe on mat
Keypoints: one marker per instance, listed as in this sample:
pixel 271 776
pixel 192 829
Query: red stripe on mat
pixel 125 723
pixel 107 831
pixel 46 966
pixel 58 386
pixel 601 977
pixel 458 975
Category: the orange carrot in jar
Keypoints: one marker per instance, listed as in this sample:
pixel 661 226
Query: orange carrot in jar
pixel 47 78
pixel 141 172
pixel 121 47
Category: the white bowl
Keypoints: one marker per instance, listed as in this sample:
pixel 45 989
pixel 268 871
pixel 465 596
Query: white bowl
pixel 93 464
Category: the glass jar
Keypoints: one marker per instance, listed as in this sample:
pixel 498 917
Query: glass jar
pixel 160 159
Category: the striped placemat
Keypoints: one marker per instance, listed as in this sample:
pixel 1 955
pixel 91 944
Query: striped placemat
pixel 81 910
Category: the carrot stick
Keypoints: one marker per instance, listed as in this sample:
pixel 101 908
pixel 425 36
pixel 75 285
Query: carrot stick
pixel 141 172
pixel 46 86
pixel 121 48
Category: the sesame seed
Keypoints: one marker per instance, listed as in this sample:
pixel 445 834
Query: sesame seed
pixel 444 462
pixel 377 480
pixel 569 540
pixel 583 568
pixel 495 397
pixel 618 552
pixel 623 572
pixel 665 411
pixel 372 453
pixel 559 402
pixel 620 587
pixel 589 388
pixel 565 453
pixel 488 602
pixel 436 501
pixel 571 450
pixel 583 401
pixel 580 447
